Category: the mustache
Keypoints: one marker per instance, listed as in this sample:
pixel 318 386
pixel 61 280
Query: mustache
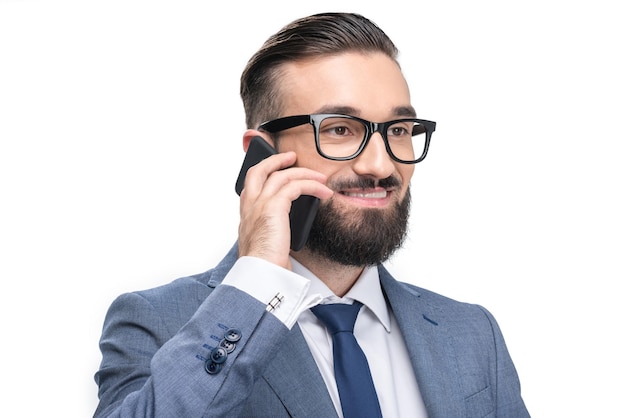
pixel 365 182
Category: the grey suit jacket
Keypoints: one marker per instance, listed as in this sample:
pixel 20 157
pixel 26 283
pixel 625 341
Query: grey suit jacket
pixel 155 342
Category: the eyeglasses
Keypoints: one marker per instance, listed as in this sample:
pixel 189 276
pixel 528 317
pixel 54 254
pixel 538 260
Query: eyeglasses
pixel 344 137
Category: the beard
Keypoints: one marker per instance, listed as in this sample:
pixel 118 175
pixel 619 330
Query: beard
pixel 361 237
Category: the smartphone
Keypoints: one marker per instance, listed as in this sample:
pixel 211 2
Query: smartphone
pixel 303 209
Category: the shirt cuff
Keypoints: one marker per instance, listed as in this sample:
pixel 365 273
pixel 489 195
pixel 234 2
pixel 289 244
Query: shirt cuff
pixel 266 282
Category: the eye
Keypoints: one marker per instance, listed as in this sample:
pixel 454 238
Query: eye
pixel 400 130
pixel 340 127
pixel 339 130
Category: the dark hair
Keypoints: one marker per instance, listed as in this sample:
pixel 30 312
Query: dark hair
pixel 319 34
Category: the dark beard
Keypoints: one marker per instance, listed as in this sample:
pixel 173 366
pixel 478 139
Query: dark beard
pixel 362 238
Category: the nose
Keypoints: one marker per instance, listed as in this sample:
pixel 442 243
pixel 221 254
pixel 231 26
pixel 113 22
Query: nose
pixel 374 161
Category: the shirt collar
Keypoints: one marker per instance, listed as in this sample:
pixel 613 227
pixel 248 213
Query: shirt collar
pixel 366 290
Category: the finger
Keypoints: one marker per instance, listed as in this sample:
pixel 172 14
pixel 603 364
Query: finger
pixel 258 174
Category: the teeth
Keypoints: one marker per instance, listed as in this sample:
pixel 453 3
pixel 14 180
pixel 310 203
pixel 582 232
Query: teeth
pixel 372 195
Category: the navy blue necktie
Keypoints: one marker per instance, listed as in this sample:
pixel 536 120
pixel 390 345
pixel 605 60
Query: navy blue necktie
pixel 352 373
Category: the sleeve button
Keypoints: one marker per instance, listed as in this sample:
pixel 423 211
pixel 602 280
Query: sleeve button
pixel 228 345
pixel 218 355
pixel 233 335
pixel 212 368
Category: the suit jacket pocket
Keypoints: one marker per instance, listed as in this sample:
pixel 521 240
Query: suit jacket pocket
pixel 480 405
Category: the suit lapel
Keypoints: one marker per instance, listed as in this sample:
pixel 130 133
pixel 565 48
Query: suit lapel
pixel 295 378
pixel 430 348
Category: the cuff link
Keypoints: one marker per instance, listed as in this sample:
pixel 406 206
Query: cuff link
pixel 273 304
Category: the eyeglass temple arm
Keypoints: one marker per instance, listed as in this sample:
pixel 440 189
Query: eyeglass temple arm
pixel 281 124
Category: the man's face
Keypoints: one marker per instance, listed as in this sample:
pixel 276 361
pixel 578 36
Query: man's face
pixel 365 220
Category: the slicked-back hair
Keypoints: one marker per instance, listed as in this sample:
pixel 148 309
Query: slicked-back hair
pixel 312 36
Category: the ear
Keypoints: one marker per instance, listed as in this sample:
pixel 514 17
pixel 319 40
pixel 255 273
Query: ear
pixel 251 133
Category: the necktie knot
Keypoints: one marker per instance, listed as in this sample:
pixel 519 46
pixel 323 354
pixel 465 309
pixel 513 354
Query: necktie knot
pixel 338 317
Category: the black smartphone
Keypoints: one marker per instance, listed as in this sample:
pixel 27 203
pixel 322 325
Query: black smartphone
pixel 303 209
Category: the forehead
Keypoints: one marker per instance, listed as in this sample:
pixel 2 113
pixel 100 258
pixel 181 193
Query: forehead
pixel 371 84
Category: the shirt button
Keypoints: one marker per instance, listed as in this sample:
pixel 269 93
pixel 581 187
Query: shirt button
pixel 233 335
pixel 218 355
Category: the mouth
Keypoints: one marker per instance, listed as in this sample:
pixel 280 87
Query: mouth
pixel 367 192
pixel 376 197
pixel 375 194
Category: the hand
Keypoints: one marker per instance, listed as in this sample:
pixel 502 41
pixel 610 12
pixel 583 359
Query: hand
pixel 265 204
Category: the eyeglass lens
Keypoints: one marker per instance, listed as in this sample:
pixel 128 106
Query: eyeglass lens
pixel 342 137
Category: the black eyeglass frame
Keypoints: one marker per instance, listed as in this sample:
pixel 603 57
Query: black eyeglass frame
pixel 281 124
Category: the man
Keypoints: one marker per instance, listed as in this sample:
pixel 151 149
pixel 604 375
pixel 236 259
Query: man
pixel 250 337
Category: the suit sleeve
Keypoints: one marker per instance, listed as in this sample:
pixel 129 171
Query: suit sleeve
pixel 148 370
pixel 508 399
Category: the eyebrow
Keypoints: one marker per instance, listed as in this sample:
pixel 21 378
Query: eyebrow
pixel 408 111
pixel 400 111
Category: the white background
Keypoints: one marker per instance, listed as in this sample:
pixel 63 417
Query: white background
pixel 120 140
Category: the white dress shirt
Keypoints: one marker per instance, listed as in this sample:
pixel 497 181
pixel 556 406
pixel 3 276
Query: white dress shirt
pixel 376 329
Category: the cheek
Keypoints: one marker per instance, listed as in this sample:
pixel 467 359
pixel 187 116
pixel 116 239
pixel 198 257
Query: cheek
pixel 309 158
pixel 306 153
pixel 406 173
pixel 331 169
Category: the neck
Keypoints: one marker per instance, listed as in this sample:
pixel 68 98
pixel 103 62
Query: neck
pixel 338 277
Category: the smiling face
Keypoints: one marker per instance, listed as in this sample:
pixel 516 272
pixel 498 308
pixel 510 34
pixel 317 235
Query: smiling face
pixel 370 86
pixel 370 205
